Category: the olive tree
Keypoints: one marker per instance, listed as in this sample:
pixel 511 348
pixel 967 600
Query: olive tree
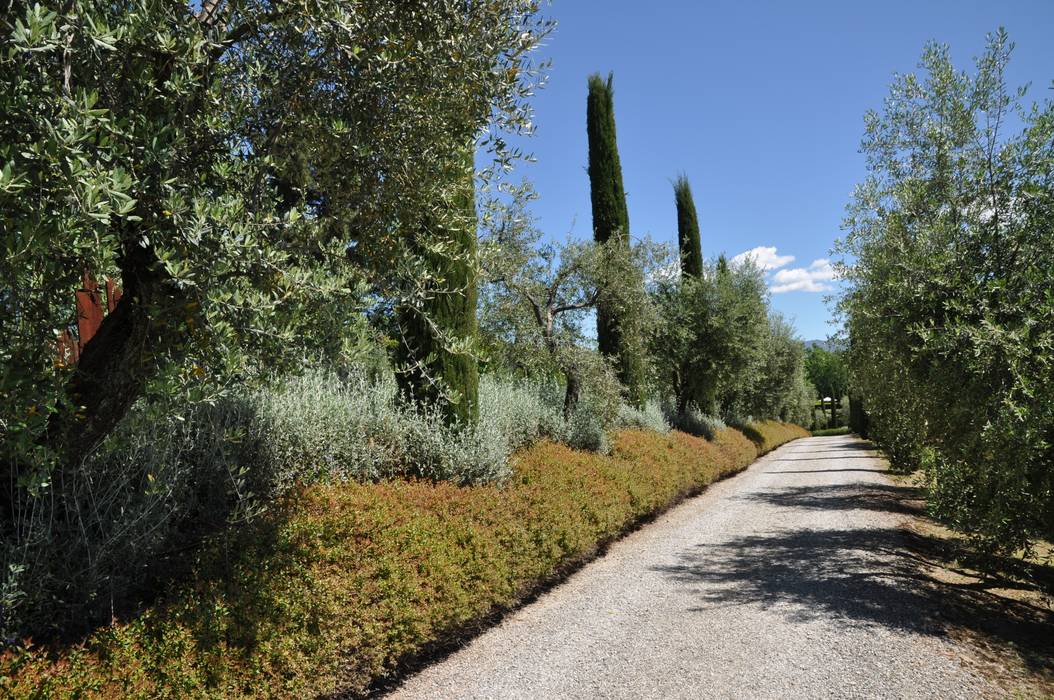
pixel 950 291
pixel 781 390
pixel 827 371
pixel 539 294
pixel 712 331
pixel 217 161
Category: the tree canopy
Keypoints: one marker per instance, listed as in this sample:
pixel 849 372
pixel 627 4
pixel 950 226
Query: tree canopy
pixel 950 291
pixel 218 162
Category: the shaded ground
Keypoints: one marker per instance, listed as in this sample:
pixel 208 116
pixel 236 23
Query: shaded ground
pixel 808 575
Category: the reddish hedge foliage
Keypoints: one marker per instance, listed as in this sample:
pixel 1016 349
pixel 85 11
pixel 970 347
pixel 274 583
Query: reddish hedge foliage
pixel 339 584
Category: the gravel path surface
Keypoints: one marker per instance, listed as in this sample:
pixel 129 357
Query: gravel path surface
pixel 785 581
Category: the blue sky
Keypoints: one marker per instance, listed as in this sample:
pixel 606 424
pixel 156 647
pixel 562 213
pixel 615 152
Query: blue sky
pixel 761 104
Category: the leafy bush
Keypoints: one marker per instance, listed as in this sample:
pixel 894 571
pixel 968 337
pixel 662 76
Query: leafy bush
pixel 950 293
pixel 171 474
pixel 651 417
pixel 693 421
pixel 321 426
pixel 584 430
pixel 336 584
pixel 93 538
pixel 768 435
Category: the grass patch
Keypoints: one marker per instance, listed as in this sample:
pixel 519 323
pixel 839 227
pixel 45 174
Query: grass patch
pixel 827 432
pixel 338 585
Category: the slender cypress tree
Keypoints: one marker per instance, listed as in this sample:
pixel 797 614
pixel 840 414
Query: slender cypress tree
pixel 687 380
pixel 688 230
pixel 722 264
pixel 611 222
pixel 434 372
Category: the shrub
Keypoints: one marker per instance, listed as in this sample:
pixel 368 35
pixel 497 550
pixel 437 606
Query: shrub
pixel 321 427
pixel 339 582
pixel 650 417
pixel 586 431
pixel 693 421
pixel 172 474
pixel 769 435
pixel 101 533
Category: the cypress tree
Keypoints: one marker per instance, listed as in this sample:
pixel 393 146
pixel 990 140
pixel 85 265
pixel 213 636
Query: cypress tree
pixel 433 372
pixel 686 378
pixel 611 222
pixel 722 264
pixel 688 230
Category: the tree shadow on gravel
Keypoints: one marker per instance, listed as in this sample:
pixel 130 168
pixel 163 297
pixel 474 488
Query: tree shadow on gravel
pixel 887 498
pixel 819 459
pixel 885 577
pixel 841 447
pixel 822 471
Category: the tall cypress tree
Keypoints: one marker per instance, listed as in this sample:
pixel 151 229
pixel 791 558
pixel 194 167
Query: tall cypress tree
pixel 722 264
pixel 687 380
pixel 434 372
pixel 688 230
pixel 611 222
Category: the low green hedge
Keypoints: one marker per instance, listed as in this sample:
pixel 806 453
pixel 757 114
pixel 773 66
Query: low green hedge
pixel 338 585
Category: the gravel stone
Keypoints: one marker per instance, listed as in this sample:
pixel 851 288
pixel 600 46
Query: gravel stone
pixel 781 582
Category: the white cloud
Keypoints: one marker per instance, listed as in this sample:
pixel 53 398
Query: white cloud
pixel 800 279
pixel 664 273
pixel 765 257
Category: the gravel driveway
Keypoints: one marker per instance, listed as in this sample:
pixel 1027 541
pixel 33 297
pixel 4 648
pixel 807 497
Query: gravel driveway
pixel 785 581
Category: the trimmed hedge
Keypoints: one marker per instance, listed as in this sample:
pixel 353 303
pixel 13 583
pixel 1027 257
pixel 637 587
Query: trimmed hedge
pixel 338 585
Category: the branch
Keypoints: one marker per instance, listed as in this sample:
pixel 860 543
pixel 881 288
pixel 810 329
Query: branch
pixel 590 301
pixel 562 273
pixel 241 31
pixel 536 306
pixel 209 10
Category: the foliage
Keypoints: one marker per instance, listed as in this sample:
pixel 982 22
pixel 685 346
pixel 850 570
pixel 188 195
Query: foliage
pixel 280 187
pixel 713 334
pixel 619 331
pixel 827 432
pixel 538 295
pixel 828 372
pixel 950 292
pixel 688 240
pixel 218 165
pixel 651 417
pixel 437 364
pixel 693 421
pixel 172 474
pixel 781 390
pixel 334 587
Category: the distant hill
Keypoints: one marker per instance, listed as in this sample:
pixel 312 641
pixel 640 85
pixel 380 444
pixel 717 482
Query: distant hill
pixel 828 345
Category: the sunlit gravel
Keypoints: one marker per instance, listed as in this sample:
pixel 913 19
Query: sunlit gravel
pixel 786 581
